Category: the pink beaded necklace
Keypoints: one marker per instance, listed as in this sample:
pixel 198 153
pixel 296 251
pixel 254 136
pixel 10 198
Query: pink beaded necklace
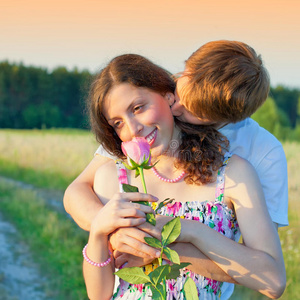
pixel 166 179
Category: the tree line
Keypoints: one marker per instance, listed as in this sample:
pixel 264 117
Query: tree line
pixel 33 97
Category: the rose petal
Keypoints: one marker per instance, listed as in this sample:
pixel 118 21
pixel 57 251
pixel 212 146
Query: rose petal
pixel 137 149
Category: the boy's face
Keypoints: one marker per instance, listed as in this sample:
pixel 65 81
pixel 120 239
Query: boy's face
pixel 180 112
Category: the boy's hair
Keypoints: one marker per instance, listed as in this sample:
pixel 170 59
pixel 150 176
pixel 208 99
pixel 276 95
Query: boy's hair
pixel 227 82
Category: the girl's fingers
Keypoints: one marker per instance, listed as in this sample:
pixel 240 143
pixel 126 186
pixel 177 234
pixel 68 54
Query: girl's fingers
pixel 117 253
pixel 121 260
pixel 146 209
pixel 139 197
pixel 131 212
pixel 129 222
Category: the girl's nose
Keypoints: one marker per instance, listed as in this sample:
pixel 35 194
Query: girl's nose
pixel 135 128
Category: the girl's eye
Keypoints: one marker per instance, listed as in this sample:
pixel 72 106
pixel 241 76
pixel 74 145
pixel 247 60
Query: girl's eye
pixel 117 124
pixel 137 108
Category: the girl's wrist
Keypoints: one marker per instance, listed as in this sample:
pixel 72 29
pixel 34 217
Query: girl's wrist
pixel 96 231
pixel 98 236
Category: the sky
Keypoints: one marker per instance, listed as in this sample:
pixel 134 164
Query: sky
pixel 88 33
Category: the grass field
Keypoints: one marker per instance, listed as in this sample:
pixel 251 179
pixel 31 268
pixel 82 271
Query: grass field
pixel 47 158
pixel 52 159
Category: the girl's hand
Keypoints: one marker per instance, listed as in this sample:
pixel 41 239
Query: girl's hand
pixel 122 211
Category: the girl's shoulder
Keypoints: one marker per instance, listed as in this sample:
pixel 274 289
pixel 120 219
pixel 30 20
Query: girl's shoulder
pixel 238 164
pixel 106 181
pixel 240 171
pixel 241 179
pixel 107 169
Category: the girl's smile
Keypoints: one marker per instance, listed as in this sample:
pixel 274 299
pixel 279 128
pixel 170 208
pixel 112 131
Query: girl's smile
pixel 150 138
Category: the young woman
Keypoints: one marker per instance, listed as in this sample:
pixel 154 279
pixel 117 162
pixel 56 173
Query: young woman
pixel 131 98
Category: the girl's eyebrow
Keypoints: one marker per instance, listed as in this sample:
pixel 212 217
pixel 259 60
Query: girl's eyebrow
pixel 129 108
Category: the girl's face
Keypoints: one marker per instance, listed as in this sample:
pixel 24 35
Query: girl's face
pixel 140 112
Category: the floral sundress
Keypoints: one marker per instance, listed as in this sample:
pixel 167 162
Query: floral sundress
pixel 214 214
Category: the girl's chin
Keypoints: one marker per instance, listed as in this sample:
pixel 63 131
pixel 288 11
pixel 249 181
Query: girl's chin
pixel 158 151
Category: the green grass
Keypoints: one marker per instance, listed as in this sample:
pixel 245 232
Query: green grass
pixel 45 158
pixel 54 240
pixel 51 159
pixel 40 178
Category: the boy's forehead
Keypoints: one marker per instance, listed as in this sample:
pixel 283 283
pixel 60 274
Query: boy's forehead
pixel 180 83
pixel 186 115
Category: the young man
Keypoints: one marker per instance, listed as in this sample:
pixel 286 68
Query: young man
pixel 224 82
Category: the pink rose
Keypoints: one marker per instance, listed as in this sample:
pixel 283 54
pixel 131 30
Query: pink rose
pixel 137 150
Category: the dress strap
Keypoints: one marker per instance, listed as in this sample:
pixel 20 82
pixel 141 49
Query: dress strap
pixel 219 196
pixel 122 174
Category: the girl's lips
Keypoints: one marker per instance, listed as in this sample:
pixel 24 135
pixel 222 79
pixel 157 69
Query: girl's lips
pixel 150 138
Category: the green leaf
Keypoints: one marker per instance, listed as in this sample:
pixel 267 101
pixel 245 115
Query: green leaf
pixel 127 166
pixel 170 231
pixel 127 188
pixel 153 242
pixel 159 273
pixel 133 164
pixel 163 203
pixel 133 275
pixel 151 219
pixel 171 255
pixel 157 292
pixel 168 200
pixel 145 163
pixel 190 290
pixel 137 172
pixel 175 270
pixel 146 166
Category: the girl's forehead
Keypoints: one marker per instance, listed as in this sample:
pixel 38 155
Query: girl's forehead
pixel 121 97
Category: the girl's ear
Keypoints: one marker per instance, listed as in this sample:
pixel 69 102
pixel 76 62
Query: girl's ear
pixel 171 98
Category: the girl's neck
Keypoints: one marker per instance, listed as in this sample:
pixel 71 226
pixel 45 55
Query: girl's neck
pixel 167 159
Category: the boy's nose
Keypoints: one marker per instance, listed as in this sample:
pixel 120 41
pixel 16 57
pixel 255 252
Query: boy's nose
pixel 176 108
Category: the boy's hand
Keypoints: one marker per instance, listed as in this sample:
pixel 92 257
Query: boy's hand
pixel 129 260
pixel 161 221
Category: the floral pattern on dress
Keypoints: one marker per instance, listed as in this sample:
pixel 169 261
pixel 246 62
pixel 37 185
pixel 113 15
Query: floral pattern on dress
pixel 214 214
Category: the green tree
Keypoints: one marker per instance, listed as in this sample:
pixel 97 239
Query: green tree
pixel 32 97
pixel 287 100
pixel 273 119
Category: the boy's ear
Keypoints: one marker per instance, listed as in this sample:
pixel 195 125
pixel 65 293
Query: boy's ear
pixel 171 98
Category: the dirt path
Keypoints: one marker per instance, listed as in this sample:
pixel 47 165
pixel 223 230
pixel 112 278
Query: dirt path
pixel 20 278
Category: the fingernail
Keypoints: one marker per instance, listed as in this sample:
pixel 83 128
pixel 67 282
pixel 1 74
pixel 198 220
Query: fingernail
pixel 157 254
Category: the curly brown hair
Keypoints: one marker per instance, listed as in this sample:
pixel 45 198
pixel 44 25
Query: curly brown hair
pixel 201 152
pixel 204 143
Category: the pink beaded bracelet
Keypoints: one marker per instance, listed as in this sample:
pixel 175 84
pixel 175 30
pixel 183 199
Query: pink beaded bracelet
pixel 103 264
